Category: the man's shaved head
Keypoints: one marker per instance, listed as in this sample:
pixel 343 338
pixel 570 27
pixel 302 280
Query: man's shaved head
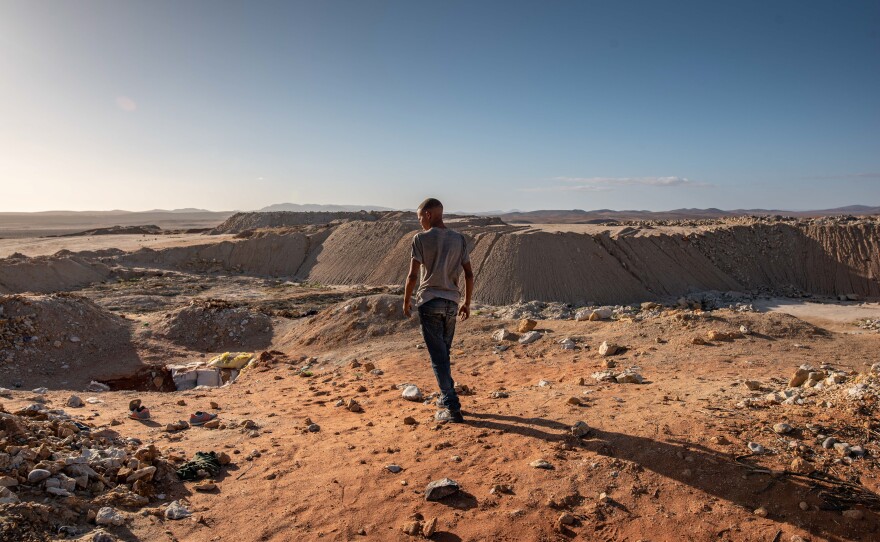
pixel 430 204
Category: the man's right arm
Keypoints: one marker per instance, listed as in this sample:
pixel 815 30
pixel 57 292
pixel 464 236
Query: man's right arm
pixel 411 279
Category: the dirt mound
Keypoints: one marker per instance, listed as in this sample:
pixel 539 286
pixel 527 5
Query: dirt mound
pixel 46 274
pixel 592 266
pixel 240 222
pixel 61 340
pixel 356 320
pixel 118 230
pixel 212 325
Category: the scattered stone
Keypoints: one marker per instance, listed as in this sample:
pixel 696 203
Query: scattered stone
pixel 756 448
pixel 429 528
pixel 629 377
pixel 580 429
pixel 720 439
pixel 574 401
pixel 761 512
pixel 800 376
pixel 526 325
pixel 109 516
pixel 804 506
pixel 828 443
pixel 568 344
pixel 499 395
pixel 176 510
pixel 313 428
pixel 353 406
pixel 782 428
pixel 752 385
pixel 541 464
pixel 409 420
pixel 412 393
pixel 530 337
pixel 800 466
pixel 205 486
pixel 698 341
pixel 438 489
pixel 394 469
pixel 38 475
pixel 564 520
pixel 504 335
pixel 74 401
pixel 608 349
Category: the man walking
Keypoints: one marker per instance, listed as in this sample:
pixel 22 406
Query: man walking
pixel 441 254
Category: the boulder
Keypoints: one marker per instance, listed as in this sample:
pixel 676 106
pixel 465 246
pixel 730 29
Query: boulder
pixel 439 489
pixel 526 325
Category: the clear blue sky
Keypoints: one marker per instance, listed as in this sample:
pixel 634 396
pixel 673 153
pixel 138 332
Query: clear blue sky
pixel 486 105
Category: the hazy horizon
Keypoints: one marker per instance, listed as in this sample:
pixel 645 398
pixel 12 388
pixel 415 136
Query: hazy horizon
pixel 488 106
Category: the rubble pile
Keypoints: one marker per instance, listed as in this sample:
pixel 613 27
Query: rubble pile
pixel 212 324
pixel 57 472
pixel 869 324
pixel 823 387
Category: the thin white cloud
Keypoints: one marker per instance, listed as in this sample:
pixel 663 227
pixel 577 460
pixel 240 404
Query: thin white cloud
pixel 599 184
pixel 126 104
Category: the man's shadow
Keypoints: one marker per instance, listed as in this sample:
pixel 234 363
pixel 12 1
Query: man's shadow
pixel 712 472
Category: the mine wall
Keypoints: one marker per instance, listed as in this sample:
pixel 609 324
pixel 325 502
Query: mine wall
pixel 515 264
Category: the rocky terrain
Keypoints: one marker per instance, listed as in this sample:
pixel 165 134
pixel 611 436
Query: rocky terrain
pixel 631 385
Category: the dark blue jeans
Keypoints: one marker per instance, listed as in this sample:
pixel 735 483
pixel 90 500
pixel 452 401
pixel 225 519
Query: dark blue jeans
pixel 438 327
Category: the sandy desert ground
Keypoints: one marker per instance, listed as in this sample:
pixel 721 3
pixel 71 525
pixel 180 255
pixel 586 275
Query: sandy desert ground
pixel 716 419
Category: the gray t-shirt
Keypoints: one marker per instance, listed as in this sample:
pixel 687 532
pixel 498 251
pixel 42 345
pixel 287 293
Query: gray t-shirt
pixel 441 252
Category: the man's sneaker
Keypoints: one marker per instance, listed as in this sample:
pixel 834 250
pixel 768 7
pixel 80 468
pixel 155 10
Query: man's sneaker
pixel 446 415
pixel 201 418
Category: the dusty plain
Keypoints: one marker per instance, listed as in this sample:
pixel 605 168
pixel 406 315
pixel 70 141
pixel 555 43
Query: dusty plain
pixel 665 459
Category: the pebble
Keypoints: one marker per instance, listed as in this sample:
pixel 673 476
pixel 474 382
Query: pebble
pixel 574 401
pixel 313 428
pixel 804 506
pixel 828 443
pixel 541 464
pixel 394 468
pixel 756 448
pixel 409 420
pixel 782 428
pixel 74 401
pixel 761 512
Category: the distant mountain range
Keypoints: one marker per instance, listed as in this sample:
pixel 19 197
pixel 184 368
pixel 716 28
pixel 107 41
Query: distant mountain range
pixel 598 216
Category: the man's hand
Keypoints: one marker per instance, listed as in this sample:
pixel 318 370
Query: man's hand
pixel 464 312
pixel 407 308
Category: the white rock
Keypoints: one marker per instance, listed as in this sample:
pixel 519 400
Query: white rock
pixel 74 401
pixel 109 516
pixel 756 448
pixel 530 337
pixel 412 393
pixel 504 335
pixel 176 510
pixel 568 344
pixel 608 349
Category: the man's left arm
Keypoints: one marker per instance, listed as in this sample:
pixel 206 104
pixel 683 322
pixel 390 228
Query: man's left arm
pixel 411 279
